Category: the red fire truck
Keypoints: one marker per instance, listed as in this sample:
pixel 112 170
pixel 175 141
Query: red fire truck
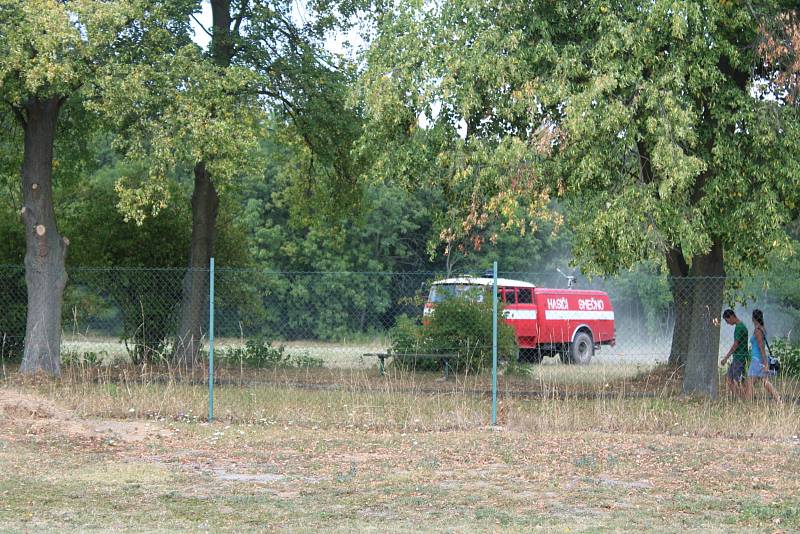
pixel 572 323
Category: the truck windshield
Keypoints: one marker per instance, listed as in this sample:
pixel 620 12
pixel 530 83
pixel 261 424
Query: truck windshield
pixel 440 292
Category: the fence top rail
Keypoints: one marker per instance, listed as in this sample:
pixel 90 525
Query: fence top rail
pixel 434 274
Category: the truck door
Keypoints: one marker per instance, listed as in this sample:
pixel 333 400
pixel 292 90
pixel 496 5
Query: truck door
pixel 508 296
pixel 527 326
pixel 553 316
pixel 520 313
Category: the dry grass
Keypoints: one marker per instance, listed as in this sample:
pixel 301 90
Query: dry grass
pixel 578 449
pixel 407 401
pixel 612 464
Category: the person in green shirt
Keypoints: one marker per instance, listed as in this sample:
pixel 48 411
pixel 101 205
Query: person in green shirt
pixel 739 352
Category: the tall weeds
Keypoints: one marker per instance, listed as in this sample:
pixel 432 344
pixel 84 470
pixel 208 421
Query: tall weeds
pixel 407 401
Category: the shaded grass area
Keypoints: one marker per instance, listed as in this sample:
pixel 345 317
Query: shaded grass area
pixel 256 477
pixel 326 399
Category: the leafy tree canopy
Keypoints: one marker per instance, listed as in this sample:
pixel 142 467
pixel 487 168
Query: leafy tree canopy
pixel 643 117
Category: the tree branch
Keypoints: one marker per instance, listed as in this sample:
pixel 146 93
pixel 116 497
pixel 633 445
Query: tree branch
pixel 17 113
pixel 201 26
pixel 676 262
pixel 237 20
pixel 292 108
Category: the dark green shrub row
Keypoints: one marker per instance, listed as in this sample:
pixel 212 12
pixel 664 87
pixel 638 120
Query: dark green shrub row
pixel 458 326
pixel 259 353
pixel 789 356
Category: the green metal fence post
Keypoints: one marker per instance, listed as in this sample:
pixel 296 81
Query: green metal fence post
pixel 211 341
pixel 494 343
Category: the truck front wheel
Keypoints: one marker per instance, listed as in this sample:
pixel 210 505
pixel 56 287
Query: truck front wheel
pixel 581 350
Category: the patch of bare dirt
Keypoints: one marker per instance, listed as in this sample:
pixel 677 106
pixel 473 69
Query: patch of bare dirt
pixel 43 415
pixel 26 406
pixel 260 478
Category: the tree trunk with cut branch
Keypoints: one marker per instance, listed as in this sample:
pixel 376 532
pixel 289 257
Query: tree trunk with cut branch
pixel 46 249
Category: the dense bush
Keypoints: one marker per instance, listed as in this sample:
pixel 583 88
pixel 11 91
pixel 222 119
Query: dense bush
pixel 13 301
pixel 789 356
pixel 13 292
pixel 458 326
pixel 88 358
pixel 259 353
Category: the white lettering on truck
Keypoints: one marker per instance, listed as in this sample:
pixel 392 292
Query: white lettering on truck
pixel 591 304
pixel 558 304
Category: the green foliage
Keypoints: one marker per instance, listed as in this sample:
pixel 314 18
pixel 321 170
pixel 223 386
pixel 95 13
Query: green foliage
pixel 639 117
pixel 13 316
pixel 783 512
pixel 68 51
pixel 138 303
pixel 407 335
pixel 51 48
pixel 306 361
pixel 175 112
pixel 91 205
pixel 259 353
pixel 645 167
pixel 187 106
pixel 607 108
pixel 87 359
pixel 56 56
pixel 458 66
pixel 11 141
pixel 388 235
pixel 514 367
pixel 781 279
pixel 13 292
pixel 458 326
pixel 643 286
pixel 318 140
pixel 256 353
pixel 789 356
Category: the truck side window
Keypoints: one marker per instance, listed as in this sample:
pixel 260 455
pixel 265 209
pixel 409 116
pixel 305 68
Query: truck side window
pixel 524 295
pixel 511 296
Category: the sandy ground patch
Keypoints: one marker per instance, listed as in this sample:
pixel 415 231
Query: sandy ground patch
pixel 43 415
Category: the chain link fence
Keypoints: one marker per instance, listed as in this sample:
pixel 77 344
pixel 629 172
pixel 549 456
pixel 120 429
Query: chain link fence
pixel 373 333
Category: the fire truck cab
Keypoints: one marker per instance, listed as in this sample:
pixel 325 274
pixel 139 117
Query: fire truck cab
pixel 572 323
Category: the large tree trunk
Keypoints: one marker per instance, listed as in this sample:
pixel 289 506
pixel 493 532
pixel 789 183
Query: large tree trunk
pixel 707 274
pixel 194 306
pixel 682 293
pixel 46 250
pixel 204 215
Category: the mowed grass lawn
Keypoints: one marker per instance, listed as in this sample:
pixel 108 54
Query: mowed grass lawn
pixel 554 466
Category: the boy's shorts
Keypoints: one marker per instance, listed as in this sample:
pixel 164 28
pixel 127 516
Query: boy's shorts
pixel 736 370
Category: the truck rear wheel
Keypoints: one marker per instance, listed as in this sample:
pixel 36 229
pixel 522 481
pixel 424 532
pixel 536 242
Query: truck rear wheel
pixel 580 351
